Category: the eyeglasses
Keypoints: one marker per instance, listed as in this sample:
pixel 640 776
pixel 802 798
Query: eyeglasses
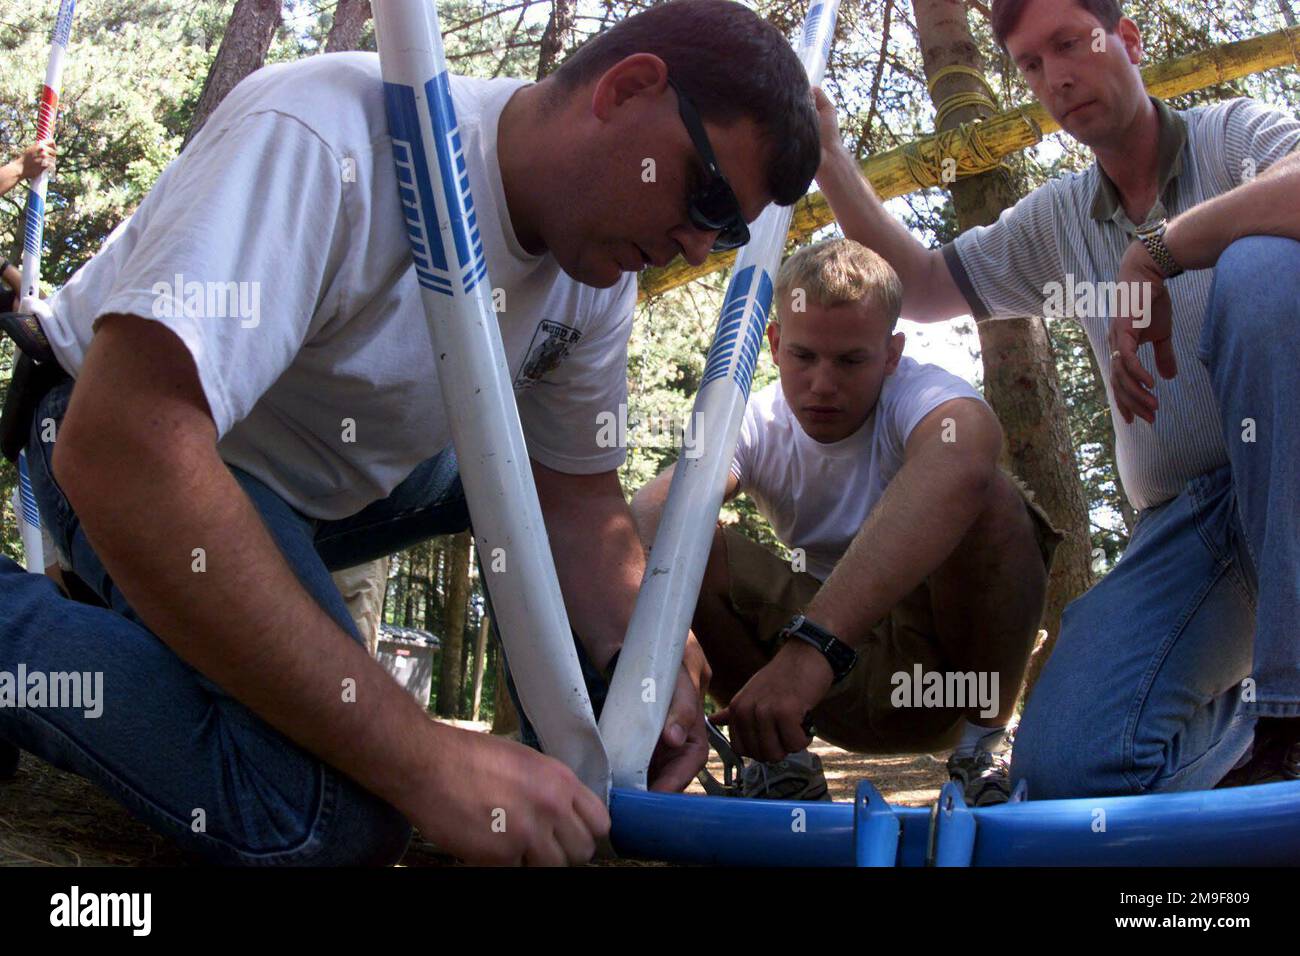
pixel 713 205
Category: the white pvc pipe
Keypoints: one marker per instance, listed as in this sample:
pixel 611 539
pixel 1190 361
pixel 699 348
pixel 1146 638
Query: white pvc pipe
pixel 29 519
pixel 29 516
pixel 34 219
pixel 477 391
pixel 644 679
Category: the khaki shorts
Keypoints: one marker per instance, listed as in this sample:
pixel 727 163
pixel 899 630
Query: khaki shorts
pixel 857 714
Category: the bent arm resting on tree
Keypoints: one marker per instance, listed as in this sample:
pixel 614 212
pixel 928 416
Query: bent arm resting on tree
pixel 600 563
pixel 137 458
pixel 929 292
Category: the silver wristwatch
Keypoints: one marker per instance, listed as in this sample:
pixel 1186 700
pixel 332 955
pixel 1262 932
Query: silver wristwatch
pixel 1153 237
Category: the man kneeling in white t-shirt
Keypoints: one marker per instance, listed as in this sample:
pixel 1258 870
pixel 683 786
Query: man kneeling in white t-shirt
pixel 926 566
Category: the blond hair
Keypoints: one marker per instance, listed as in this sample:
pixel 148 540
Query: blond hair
pixel 836 271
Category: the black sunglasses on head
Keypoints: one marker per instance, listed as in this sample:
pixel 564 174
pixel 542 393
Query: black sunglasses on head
pixel 713 205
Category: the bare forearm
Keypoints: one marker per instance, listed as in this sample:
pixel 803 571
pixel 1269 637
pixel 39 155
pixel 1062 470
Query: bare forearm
pixel 13 278
pixel 10 174
pixel 1265 206
pixel 599 561
pixel 237 613
pixel 929 293
pixel 917 523
pixel 648 506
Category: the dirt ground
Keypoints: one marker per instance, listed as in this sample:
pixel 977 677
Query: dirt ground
pixel 52 818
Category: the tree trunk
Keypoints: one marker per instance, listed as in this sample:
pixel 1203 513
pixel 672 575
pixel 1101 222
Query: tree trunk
pixel 435 611
pixel 1020 378
pixel 350 18
pixel 559 27
pixel 408 616
pixel 505 719
pixel 450 674
pixel 466 674
pixel 243 49
pixel 480 658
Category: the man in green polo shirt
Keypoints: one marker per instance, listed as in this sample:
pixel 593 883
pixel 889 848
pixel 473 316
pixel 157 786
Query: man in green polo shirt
pixel 1182 667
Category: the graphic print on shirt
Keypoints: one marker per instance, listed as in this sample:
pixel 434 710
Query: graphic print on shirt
pixel 551 343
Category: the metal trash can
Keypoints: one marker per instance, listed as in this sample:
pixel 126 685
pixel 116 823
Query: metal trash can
pixel 407 654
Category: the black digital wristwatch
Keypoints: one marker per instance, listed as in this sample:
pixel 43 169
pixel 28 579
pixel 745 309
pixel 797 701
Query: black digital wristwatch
pixel 839 655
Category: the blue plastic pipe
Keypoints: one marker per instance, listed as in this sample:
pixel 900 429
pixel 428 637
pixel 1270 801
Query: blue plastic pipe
pixel 1242 826
pixel 730 831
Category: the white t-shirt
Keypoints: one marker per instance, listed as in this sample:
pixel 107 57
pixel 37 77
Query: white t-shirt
pixel 817 496
pixel 289 191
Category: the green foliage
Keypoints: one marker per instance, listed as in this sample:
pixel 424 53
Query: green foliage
pixel 131 77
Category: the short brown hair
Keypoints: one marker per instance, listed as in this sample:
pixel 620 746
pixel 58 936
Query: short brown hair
pixel 1007 14
pixel 837 271
pixel 733 65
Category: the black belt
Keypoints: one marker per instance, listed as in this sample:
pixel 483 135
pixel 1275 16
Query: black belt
pixel 36 371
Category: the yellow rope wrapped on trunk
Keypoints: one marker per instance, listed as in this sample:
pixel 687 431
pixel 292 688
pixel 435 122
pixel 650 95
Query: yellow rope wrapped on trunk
pixel 965 98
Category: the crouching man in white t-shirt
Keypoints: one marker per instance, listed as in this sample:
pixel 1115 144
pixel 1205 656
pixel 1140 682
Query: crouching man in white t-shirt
pixel 917 565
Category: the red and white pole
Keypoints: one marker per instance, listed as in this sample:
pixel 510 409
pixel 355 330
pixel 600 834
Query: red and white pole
pixel 34 222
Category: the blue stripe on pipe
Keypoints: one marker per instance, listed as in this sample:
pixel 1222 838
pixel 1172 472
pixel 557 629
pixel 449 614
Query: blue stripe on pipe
pixel 455 181
pixel 31 511
pixel 731 355
pixel 63 25
pixel 1257 825
pixel 431 281
pixel 415 190
pixel 34 224
pixel 810 25
pixel 718 363
pixel 744 371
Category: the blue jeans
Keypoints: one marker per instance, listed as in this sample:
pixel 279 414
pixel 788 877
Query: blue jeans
pixel 1147 688
pixel 171 746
